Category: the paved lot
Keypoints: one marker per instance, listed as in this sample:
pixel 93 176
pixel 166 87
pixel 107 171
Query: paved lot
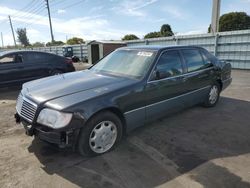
pixel 197 147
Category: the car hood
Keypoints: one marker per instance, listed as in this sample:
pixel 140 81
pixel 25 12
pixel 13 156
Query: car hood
pixel 53 87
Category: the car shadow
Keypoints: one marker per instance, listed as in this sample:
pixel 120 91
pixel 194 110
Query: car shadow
pixel 160 153
pixel 9 93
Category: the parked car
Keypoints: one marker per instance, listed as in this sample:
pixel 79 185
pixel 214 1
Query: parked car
pixel 17 67
pixel 92 109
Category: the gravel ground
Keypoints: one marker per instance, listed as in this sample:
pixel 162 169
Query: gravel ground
pixel 197 147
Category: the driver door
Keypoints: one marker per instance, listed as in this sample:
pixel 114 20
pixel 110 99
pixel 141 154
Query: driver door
pixel 166 86
pixel 11 67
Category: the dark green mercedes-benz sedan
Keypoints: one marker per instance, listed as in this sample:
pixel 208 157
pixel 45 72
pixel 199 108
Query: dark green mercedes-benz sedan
pixel 91 110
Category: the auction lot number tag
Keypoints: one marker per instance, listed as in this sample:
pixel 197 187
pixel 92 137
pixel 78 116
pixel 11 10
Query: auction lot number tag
pixel 145 54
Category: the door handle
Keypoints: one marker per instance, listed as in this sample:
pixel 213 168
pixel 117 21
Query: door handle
pixel 203 76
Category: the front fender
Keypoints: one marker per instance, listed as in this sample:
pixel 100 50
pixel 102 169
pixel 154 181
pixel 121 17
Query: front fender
pixel 87 109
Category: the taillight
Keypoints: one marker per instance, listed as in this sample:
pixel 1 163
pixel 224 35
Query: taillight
pixel 69 61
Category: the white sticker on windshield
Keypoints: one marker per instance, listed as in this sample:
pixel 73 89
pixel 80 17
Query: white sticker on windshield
pixel 145 54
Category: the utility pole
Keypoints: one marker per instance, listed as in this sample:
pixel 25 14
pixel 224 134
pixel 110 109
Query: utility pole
pixel 50 24
pixel 12 31
pixel 215 16
pixel 2 39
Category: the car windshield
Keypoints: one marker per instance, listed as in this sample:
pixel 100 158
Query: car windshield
pixel 129 63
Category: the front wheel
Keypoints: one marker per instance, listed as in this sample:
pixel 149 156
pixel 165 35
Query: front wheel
pixel 213 96
pixel 100 134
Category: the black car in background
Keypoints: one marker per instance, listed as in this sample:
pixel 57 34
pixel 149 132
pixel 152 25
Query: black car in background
pixel 91 109
pixel 17 67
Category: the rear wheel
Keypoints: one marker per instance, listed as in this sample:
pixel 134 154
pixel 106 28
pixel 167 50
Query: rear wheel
pixel 213 95
pixel 100 134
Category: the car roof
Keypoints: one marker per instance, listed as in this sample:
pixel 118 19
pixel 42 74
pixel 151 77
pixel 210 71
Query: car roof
pixel 22 51
pixel 159 48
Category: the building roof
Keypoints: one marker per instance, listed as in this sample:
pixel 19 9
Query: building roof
pixel 106 42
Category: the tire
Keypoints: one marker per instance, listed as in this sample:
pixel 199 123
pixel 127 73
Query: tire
pixel 56 72
pixel 213 95
pixel 100 134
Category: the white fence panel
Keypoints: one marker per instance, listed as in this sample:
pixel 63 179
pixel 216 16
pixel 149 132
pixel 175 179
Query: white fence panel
pixel 233 47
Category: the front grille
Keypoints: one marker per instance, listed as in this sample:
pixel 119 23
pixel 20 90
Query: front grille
pixel 25 108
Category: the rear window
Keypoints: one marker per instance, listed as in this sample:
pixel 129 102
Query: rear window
pixel 193 59
pixel 170 63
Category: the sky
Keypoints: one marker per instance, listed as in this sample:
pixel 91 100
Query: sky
pixel 108 19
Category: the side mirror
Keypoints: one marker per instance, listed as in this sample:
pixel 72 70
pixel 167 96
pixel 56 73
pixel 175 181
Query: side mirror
pixel 160 74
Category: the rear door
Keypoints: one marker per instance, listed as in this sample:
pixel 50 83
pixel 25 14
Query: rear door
pixel 11 67
pixel 37 65
pixel 164 91
pixel 198 74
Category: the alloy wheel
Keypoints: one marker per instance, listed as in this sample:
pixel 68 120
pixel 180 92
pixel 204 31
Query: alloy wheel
pixel 213 94
pixel 103 137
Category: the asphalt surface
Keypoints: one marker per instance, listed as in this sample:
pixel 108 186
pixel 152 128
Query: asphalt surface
pixel 197 147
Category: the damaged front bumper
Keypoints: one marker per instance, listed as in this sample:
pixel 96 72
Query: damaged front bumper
pixel 65 137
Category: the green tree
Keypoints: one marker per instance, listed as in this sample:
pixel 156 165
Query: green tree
pixel 233 21
pixel 38 44
pixel 55 43
pixel 209 28
pixel 153 35
pixel 166 30
pixel 130 37
pixel 22 36
pixel 75 40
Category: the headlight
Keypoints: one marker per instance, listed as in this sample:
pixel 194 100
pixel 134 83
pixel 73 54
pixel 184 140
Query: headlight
pixel 53 118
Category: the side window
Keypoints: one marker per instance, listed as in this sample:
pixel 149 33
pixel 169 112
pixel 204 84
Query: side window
pixel 193 59
pixel 36 57
pixel 169 65
pixel 7 59
pixel 207 61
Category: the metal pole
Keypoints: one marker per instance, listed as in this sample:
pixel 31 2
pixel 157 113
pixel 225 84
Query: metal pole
pixel 215 16
pixel 50 24
pixel 2 39
pixel 216 44
pixel 81 52
pixel 12 31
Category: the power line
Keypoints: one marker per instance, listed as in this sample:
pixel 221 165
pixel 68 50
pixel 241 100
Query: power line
pixel 28 5
pixel 30 16
pixel 31 9
pixel 30 13
pixel 33 14
pixel 26 9
pixel 33 20
pixel 73 4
